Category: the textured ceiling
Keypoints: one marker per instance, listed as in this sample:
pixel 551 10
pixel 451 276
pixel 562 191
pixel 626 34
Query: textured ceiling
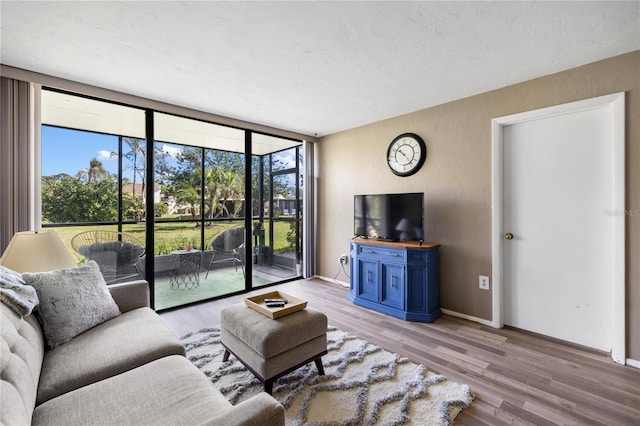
pixel 311 67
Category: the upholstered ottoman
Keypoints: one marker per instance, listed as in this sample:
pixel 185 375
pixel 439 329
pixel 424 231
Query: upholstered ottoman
pixel 271 348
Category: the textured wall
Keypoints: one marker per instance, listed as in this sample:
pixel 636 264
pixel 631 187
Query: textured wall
pixel 456 178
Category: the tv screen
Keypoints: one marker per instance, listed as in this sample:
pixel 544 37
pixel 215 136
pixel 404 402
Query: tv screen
pixel 391 217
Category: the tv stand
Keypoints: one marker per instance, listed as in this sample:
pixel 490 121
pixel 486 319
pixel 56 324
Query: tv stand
pixel 400 279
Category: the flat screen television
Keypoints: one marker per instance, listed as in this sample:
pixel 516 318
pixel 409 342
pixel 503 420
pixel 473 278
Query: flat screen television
pixel 389 217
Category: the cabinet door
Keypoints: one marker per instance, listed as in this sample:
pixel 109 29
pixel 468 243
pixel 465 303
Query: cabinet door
pixel 393 285
pixel 368 282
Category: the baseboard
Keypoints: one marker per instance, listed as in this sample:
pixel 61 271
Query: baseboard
pixel 630 362
pixel 633 363
pixel 468 317
pixel 333 281
pixel 444 311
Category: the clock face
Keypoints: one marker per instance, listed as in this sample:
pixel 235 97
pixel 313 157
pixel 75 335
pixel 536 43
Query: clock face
pixel 406 154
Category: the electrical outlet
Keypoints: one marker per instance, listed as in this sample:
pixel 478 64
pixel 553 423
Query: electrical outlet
pixel 343 259
pixel 483 282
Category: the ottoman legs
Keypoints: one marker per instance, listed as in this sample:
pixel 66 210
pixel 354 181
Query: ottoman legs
pixel 268 382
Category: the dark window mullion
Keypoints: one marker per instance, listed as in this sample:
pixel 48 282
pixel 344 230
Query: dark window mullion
pixel 202 197
pixel 297 201
pixel 120 214
pixel 149 216
pixel 248 216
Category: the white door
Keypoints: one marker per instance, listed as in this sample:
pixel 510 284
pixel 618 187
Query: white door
pixel 560 192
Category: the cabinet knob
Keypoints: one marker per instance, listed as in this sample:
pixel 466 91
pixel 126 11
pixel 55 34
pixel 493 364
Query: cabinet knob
pixel 508 236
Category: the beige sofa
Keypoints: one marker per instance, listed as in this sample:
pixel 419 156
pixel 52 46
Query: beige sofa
pixel 129 370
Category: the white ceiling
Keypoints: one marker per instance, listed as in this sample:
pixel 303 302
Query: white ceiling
pixel 311 67
pixel 79 112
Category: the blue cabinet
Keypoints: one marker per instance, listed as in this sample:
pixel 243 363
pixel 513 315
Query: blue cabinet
pixel 398 279
pixel 368 283
pixel 393 285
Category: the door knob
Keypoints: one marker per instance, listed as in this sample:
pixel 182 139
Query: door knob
pixel 508 236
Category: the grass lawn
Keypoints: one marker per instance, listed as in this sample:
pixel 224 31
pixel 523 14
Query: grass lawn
pixel 171 236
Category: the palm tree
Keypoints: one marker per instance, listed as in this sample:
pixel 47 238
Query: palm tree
pixel 189 196
pixel 95 172
pixel 221 185
pixel 231 188
pixel 136 155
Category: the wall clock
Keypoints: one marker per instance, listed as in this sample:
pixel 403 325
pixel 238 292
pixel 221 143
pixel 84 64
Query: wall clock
pixel 406 154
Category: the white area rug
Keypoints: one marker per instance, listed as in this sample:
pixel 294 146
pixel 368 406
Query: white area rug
pixel 363 384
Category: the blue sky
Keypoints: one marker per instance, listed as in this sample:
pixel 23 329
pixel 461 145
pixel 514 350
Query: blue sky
pixel 69 151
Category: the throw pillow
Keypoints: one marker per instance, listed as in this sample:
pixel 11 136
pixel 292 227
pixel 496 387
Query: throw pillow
pixel 15 293
pixel 72 301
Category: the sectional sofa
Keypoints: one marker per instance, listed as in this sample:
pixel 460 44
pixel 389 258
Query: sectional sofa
pixel 127 370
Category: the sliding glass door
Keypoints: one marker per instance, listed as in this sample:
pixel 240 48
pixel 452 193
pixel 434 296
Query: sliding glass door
pixel 200 239
pixel 277 196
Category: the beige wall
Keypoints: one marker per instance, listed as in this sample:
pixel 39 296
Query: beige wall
pixel 456 179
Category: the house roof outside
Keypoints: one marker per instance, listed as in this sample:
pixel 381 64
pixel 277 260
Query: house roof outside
pixel 139 191
pixel 139 188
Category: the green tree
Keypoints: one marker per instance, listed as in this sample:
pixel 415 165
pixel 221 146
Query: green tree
pixel 189 196
pixel 132 206
pixel 137 155
pixel 66 199
pixel 230 187
pixel 160 209
pixel 96 171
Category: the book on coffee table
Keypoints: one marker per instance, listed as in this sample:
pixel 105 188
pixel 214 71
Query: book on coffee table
pixel 260 304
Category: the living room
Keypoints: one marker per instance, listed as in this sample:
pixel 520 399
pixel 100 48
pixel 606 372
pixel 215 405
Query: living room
pixel 456 178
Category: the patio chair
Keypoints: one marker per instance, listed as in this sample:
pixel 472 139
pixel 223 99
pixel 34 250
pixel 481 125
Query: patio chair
pixel 228 247
pixel 116 253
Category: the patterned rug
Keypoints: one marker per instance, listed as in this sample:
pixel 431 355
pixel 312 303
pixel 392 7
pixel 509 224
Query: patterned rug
pixel 363 384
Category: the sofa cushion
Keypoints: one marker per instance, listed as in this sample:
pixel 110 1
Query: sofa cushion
pixel 168 391
pixel 121 344
pixel 72 301
pixel 20 365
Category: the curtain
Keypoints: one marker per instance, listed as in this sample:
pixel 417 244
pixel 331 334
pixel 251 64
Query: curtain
pixel 309 212
pixel 16 159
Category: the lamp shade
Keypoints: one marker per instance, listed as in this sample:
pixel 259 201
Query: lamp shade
pixel 404 225
pixel 36 251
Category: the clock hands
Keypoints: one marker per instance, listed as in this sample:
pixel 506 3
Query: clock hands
pixel 404 155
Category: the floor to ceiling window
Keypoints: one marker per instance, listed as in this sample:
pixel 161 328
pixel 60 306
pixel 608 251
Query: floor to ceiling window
pixel 222 221
pixel 277 199
pixel 92 178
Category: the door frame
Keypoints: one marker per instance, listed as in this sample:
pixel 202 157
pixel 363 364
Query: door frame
pixel 616 104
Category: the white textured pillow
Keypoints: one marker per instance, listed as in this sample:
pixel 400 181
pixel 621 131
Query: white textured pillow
pixel 72 301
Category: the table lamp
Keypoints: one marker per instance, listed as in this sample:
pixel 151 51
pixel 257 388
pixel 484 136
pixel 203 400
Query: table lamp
pixel 36 251
pixel 404 226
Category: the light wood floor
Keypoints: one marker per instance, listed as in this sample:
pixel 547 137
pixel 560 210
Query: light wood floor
pixel 518 377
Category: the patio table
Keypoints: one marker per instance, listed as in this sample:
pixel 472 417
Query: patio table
pixel 185 273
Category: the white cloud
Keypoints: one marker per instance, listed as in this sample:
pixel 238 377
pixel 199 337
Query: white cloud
pixel 172 151
pixel 287 158
pixel 106 155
